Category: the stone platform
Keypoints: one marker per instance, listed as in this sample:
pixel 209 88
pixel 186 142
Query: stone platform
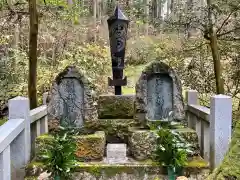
pixel 196 169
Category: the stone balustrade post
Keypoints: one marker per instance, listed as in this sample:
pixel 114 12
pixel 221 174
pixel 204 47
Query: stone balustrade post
pixel 21 146
pixel 44 122
pixel 192 98
pixel 220 128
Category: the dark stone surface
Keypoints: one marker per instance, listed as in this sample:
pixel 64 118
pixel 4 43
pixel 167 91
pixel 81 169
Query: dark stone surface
pixel 70 99
pixel 159 90
pixel 159 96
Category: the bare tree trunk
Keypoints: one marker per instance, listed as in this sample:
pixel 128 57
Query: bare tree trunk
pixel 160 9
pixel 95 18
pixel 154 10
pixel 32 75
pixel 215 51
pixel 146 10
pixel 16 36
pixel 168 8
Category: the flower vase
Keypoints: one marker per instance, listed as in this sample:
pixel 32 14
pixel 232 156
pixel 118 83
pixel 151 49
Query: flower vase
pixel 171 173
pixel 57 177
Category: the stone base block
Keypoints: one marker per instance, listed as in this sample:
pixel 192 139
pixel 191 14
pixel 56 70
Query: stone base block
pixel 116 106
pixel 143 142
pixel 116 130
pixel 91 147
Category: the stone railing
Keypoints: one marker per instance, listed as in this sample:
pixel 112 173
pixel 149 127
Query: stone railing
pixel 17 136
pixel 213 125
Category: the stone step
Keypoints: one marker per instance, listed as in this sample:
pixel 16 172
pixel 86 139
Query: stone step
pixel 196 169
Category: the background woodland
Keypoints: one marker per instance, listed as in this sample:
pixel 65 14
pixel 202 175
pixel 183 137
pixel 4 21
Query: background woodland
pixel 38 39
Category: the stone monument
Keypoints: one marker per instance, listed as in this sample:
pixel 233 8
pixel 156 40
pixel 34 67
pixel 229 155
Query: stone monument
pixel 70 99
pixel 159 91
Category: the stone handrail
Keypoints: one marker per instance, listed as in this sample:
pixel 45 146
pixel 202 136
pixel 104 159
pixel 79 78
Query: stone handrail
pixel 17 136
pixel 213 125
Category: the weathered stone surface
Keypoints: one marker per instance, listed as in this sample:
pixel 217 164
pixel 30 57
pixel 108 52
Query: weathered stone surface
pixel 197 169
pixel 159 96
pixel 71 99
pixel 116 106
pixel 34 169
pixel 91 147
pixel 142 143
pixel 116 130
pixel 153 97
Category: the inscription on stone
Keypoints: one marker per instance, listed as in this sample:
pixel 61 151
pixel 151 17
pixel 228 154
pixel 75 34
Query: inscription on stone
pixel 71 102
pixel 159 96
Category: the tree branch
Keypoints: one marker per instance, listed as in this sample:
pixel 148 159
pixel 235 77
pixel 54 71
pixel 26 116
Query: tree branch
pixel 225 21
pixel 228 32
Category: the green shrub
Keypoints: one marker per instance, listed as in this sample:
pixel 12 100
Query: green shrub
pixel 59 158
pixel 171 148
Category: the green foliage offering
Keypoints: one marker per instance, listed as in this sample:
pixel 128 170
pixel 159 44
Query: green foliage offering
pixel 59 158
pixel 171 149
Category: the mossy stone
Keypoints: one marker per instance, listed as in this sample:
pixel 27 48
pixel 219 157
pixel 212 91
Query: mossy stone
pixel 34 169
pixel 90 147
pixel 42 142
pixel 118 107
pixel 113 128
pixel 142 142
pixel 136 168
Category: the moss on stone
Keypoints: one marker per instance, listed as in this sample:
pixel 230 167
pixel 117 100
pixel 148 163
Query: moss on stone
pixel 90 147
pixel 42 142
pixel 31 178
pixel 100 169
pixel 197 162
pixel 113 128
pixel 111 106
pixel 230 166
pixel 34 168
pixel 142 141
pixel 110 170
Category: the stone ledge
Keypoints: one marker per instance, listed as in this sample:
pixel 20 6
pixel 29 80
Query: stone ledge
pixel 116 106
pixel 135 170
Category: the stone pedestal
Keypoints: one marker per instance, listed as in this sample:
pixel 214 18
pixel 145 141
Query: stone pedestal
pixel 116 153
